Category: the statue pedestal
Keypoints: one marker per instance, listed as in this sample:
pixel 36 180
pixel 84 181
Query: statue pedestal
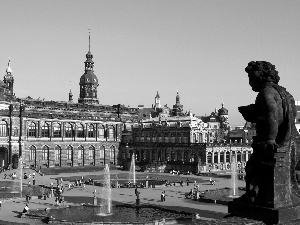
pixel 276 201
pixel 267 215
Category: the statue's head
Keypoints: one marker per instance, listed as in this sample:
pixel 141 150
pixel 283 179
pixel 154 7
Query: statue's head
pixel 261 72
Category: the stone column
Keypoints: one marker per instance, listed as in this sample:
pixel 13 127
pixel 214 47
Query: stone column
pixel 218 157
pixel 212 157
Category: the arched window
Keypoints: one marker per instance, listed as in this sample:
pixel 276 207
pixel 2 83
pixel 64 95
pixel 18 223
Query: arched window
pixel 222 157
pixel 111 132
pixel 112 154
pixel 91 131
pixel 32 153
pixel 69 153
pixel 80 152
pixel 102 150
pixel 216 157
pixel 56 130
pixel 91 153
pixel 80 131
pixel 57 152
pixel 101 132
pixel 227 156
pixel 238 156
pixel 3 129
pixel 45 130
pixel 233 158
pixel 45 152
pixel 68 130
pixel 31 130
pixel 209 157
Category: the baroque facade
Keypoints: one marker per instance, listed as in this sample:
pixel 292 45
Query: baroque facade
pixel 183 142
pixel 48 133
pixel 167 140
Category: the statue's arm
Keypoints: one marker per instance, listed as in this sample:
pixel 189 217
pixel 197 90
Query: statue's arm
pixel 267 110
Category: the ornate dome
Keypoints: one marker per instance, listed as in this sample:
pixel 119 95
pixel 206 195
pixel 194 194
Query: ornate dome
pixel 89 78
pixel 223 111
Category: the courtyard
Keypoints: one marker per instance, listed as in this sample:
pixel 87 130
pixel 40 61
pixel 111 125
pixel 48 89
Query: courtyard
pixel 175 195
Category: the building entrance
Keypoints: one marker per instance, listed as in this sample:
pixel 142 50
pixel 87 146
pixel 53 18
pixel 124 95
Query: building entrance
pixel 3 157
pixel 15 161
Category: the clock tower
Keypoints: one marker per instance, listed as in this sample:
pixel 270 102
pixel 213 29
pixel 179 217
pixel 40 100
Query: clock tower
pixel 88 81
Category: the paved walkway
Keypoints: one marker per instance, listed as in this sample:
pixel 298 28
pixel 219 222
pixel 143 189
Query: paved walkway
pixel 10 210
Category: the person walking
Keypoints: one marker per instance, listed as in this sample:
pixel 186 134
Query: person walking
pixel 162 196
pixel 26 208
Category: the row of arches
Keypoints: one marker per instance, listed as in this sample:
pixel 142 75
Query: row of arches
pixel 170 137
pixel 227 157
pixel 162 155
pixel 69 155
pixel 70 130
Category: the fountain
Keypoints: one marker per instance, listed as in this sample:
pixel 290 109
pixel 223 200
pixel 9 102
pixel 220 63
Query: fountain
pixel 132 170
pixel 233 178
pixel 106 194
pixel 105 212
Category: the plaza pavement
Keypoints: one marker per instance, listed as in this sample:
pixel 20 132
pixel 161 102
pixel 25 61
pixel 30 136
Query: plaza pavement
pixel 175 199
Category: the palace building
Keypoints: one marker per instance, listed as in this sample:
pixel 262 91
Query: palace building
pixel 182 141
pixel 60 133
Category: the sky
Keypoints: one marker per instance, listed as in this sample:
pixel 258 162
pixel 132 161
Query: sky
pixel 200 48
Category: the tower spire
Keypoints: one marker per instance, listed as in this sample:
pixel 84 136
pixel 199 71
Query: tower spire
pixel 8 70
pixel 89 40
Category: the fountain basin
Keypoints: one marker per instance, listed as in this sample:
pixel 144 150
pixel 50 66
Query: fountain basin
pixel 220 196
pixel 11 189
pixel 120 213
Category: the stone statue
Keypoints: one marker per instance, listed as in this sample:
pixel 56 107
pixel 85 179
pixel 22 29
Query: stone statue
pixel 270 171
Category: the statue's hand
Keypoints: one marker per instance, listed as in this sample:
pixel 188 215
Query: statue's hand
pixel 248 112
